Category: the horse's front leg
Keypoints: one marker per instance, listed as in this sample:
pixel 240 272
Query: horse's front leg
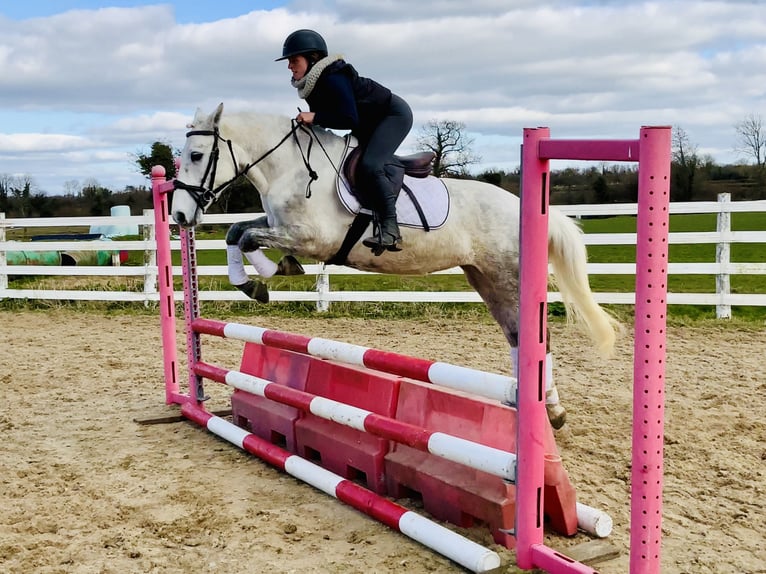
pixel 240 240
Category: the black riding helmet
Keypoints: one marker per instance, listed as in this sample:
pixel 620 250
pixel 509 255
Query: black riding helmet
pixel 303 42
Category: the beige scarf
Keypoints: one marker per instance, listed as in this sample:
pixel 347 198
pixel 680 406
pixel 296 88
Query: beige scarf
pixel 306 84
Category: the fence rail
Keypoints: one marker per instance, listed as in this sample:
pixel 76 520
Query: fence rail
pixel 722 268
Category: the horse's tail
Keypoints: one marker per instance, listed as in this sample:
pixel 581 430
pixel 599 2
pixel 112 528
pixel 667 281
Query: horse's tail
pixel 567 254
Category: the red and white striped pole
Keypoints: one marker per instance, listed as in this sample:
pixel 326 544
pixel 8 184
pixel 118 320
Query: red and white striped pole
pixel 459 549
pixel 475 455
pixel 481 383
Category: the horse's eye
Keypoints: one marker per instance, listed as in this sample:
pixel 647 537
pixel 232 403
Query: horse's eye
pixel 196 156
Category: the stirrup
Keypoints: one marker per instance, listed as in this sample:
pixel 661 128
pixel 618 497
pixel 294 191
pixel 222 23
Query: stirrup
pixel 378 246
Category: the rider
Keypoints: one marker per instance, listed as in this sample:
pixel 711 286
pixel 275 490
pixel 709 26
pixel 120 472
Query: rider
pixel 339 98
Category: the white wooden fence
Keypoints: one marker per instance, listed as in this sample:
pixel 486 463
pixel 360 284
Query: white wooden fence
pixel 722 268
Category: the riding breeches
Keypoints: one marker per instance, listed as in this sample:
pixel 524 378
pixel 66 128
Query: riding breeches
pixel 381 147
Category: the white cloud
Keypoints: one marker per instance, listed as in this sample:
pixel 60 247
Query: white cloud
pixel 586 68
pixel 15 143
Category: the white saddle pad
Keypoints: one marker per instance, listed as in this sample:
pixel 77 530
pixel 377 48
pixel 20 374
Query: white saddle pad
pixel 431 194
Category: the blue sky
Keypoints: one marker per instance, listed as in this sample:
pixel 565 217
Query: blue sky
pixel 185 12
pixel 84 85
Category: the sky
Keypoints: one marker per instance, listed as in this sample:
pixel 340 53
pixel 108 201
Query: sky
pixel 86 85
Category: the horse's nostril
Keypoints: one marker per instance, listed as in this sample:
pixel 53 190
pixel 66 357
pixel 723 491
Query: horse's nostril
pixel 179 217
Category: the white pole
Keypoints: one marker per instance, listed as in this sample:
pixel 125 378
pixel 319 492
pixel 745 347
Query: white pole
pixel 323 289
pixel 150 257
pixel 723 257
pixel 3 257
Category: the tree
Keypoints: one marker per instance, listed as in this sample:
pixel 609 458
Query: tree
pixel 493 177
pixel 41 205
pixel 240 197
pixel 97 197
pixel 161 154
pixel 751 140
pixel 452 147
pixel 72 187
pixel 21 189
pixel 5 192
pixel 686 163
pixel 600 189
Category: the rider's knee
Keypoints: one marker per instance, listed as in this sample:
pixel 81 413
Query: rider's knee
pixel 370 168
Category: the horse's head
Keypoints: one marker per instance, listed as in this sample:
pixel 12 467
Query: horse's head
pixel 203 175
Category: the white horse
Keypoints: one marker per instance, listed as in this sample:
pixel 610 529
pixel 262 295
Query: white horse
pixel 304 217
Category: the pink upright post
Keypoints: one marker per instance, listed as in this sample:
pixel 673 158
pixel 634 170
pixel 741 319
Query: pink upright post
pixel 649 351
pixel 533 303
pixel 652 152
pixel 160 188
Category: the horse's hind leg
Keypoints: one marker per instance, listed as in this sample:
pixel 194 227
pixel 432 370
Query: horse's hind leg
pixel 236 239
pixel 500 294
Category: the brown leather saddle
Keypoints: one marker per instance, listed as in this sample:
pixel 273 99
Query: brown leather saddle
pixel 416 165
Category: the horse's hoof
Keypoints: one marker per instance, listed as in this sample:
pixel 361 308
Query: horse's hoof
pixel 289 265
pixel 256 290
pixel 557 415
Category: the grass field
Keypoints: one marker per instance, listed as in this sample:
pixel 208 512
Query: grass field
pixel 597 254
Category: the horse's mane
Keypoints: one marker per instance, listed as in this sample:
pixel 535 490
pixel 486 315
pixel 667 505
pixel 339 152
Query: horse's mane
pixel 246 126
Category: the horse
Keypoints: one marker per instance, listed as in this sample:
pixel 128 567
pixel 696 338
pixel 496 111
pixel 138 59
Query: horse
pixel 304 218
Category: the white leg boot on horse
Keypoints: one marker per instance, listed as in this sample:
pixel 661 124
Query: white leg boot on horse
pixel 255 289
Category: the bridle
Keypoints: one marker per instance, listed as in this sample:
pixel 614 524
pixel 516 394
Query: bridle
pixel 205 197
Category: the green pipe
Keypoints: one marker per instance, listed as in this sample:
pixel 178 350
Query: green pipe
pixel 33 258
pixel 59 258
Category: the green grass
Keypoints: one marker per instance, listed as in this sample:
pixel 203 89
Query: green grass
pixel 740 253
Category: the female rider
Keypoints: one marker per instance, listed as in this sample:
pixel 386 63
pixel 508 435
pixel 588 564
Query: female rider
pixel 339 98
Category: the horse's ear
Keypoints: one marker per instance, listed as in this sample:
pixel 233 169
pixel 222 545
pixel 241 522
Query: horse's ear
pixel 199 117
pixel 217 114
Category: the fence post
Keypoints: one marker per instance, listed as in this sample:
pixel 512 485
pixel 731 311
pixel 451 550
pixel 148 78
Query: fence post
pixel 323 289
pixel 3 258
pixel 723 257
pixel 150 257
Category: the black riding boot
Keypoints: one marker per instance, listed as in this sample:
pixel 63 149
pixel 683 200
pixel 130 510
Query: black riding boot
pixel 387 236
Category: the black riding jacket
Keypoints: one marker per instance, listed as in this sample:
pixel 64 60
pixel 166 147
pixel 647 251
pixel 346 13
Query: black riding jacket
pixel 344 100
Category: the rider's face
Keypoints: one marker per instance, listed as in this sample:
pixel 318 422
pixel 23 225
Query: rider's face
pixel 298 65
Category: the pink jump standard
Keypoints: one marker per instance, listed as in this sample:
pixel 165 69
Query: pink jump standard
pixel 652 152
pixel 457 548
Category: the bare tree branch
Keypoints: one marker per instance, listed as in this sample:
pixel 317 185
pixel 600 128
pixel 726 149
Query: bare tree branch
pixel 751 139
pixel 447 140
pixel 686 162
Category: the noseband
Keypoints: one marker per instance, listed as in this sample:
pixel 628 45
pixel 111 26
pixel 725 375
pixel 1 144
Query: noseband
pixel 205 197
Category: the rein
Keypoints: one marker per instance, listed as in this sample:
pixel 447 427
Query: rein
pixel 205 197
